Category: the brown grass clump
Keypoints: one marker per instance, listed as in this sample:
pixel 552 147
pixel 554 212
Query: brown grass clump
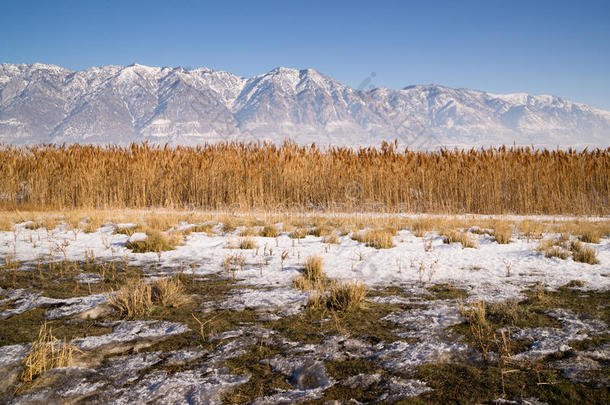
pixel 420 227
pixel 590 235
pixel 169 292
pixel 465 238
pixel 555 247
pixel 133 300
pixel 247 243
pixel 47 353
pixel 502 232
pixel 127 230
pixel 155 242
pixel 377 238
pixel 298 233
pixel 332 238
pixel 480 328
pixel 313 268
pixel 346 296
pixel 556 251
pixel 137 297
pixel 269 231
pixel 313 278
pixel 248 232
pixel 321 230
pixel 531 229
pixel 582 253
pixel 228 227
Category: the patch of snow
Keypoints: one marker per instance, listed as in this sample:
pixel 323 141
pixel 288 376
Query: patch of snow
pixel 129 331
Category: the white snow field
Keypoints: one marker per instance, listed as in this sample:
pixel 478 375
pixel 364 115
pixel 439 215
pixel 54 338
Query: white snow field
pixel 413 330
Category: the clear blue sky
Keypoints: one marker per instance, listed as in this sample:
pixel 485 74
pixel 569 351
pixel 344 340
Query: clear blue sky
pixel 552 47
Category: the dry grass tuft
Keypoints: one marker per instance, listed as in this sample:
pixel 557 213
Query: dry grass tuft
pixel 169 292
pixel 127 230
pixel 465 238
pixel 332 238
pixel 556 251
pixel 155 242
pixel 582 253
pixel 269 231
pixel 346 296
pixel 531 229
pixel 47 353
pixel 137 297
pixel 228 227
pixel 247 243
pixel 590 235
pixel 133 300
pixel 313 269
pixel 377 238
pixel 480 328
pixel 321 230
pixel 248 232
pixel 502 232
pixel 298 233
pixel 420 227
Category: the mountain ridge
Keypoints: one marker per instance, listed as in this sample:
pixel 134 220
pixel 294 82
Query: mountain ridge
pixel 42 103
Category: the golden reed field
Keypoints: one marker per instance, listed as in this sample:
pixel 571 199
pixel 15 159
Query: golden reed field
pixel 264 176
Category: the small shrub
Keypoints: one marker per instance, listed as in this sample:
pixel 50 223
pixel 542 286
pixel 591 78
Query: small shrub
pixel 346 296
pixel 155 242
pixel 583 254
pixel 376 238
pixel 269 231
pixel 47 353
pixel 453 236
pixel 247 243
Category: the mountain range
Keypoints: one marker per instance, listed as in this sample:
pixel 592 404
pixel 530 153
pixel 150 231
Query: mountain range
pixel 121 104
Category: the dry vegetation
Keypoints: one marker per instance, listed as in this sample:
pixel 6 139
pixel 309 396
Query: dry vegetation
pixel 137 297
pixel 516 180
pixel 47 353
pixel 465 238
pixel 155 242
pixel 377 238
pixel 562 246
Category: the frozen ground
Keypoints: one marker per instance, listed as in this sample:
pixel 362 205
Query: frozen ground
pixel 272 349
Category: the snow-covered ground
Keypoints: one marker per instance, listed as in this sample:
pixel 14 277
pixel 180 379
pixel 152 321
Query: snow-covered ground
pixel 421 327
pixel 491 271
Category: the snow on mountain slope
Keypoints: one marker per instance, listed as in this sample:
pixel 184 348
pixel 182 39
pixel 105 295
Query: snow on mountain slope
pixel 122 104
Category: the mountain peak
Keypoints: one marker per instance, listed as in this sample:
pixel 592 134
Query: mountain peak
pixel 122 104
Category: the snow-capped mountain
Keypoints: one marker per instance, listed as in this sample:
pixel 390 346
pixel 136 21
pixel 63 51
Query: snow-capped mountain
pixel 122 104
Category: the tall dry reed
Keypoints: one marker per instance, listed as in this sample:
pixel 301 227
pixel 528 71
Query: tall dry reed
pixel 246 176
